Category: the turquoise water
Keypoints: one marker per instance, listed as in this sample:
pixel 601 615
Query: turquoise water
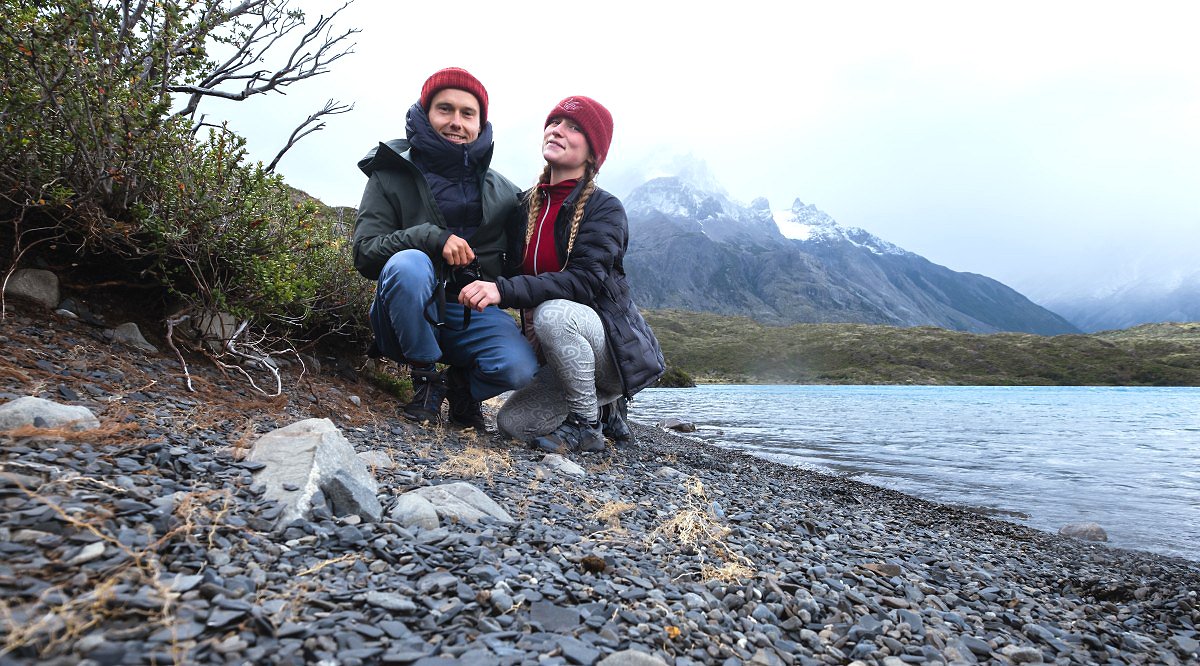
pixel 1126 458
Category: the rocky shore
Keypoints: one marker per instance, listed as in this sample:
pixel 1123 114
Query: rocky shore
pixel 152 538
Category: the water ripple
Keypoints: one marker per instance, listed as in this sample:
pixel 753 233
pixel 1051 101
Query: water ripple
pixel 1127 458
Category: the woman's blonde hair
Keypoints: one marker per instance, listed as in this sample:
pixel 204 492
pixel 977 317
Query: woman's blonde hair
pixel 534 202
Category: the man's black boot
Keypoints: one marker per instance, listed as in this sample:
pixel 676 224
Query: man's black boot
pixel 429 389
pixel 464 410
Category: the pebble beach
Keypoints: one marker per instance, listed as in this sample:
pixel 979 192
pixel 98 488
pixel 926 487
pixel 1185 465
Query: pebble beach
pixel 150 539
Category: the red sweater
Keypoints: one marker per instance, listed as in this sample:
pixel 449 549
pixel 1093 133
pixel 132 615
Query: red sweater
pixel 541 256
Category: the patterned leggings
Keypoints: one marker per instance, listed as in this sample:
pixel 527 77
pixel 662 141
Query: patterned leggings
pixel 578 377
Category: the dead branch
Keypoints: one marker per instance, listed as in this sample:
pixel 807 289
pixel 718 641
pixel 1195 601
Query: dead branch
pixel 331 108
pixel 311 55
pixel 172 322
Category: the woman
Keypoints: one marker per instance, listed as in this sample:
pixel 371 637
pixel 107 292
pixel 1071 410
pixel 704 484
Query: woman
pixel 596 346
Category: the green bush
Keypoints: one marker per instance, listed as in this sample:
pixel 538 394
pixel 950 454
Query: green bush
pixel 95 164
pixel 675 378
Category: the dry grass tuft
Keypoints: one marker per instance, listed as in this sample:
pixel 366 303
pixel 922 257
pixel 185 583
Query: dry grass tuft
pixel 695 526
pixel 348 557
pixel 105 434
pixel 729 572
pixel 476 461
pixel 610 513
pixel 241 447
pixel 692 527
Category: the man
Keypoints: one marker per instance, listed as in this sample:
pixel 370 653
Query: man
pixel 432 207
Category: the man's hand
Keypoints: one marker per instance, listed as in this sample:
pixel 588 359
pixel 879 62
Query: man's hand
pixel 457 251
pixel 479 294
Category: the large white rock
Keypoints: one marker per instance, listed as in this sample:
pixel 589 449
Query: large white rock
pixel 631 658
pixel 462 502
pixel 23 412
pixel 313 455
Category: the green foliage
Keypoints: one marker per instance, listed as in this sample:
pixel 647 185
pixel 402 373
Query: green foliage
pixel 675 378
pixel 386 378
pixel 241 241
pixel 95 162
pixel 714 348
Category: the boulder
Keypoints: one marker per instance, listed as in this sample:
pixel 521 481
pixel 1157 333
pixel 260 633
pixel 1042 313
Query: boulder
pixel 676 425
pixel 631 658
pixel 1084 531
pixel 413 510
pixel 215 328
pixel 310 456
pixel 129 334
pixel 462 502
pixel 34 285
pixel 28 411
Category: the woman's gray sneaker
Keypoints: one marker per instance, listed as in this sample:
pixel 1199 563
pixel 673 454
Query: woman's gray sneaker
pixel 575 435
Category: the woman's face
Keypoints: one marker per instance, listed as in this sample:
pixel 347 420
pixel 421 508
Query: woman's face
pixel 565 148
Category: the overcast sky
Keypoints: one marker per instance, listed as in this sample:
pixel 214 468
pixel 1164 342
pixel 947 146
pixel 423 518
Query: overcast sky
pixel 1049 145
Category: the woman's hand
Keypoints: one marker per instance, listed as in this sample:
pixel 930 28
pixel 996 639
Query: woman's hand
pixel 479 294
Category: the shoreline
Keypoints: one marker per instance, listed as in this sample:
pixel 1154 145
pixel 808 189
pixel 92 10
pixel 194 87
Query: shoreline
pixel 1064 450
pixel 687 552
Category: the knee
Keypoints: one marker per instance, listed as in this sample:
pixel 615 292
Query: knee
pixel 507 423
pixel 406 268
pixel 562 315
pixel 516 371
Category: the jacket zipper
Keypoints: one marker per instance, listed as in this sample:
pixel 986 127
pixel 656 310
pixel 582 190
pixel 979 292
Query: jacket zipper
pixel 538 233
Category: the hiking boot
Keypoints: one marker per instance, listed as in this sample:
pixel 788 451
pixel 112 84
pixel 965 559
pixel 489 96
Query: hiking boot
pixel 575 434
pixel 464 410
pixel 612 418
pixel 429 389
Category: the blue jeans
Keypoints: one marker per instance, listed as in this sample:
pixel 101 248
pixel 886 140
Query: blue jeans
pixel 496 355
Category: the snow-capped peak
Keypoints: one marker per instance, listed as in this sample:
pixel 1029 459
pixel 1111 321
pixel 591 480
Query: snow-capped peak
pixel 808 223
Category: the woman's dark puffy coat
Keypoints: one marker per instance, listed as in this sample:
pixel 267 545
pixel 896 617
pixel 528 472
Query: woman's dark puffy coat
pixel 594 275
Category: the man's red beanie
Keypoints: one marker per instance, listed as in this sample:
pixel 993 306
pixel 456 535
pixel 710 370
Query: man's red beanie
pixel 460 79
pixel 595 121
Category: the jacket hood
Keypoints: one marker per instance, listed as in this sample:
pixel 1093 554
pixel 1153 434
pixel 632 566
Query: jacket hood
pixel 387 154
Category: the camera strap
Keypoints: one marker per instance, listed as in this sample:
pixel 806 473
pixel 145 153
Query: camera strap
pixel 438 300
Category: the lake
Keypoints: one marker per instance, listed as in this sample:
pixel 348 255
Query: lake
pixel 1126 458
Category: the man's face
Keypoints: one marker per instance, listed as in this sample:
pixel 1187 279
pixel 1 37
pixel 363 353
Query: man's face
pixel 454 114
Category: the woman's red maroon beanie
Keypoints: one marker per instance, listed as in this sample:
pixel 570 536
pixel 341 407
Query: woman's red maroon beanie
pixel 460 79
pixel 595 121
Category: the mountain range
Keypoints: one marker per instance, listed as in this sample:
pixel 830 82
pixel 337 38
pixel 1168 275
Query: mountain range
pixel 1133 300
pixel 692 247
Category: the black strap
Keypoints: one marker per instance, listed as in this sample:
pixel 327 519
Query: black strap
pixel 438 299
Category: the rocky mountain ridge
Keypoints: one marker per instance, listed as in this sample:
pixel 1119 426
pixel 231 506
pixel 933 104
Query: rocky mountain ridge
pixel 691 247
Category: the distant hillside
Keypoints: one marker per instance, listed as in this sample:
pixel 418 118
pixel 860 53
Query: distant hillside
pixel 693 248
pixel 718 348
